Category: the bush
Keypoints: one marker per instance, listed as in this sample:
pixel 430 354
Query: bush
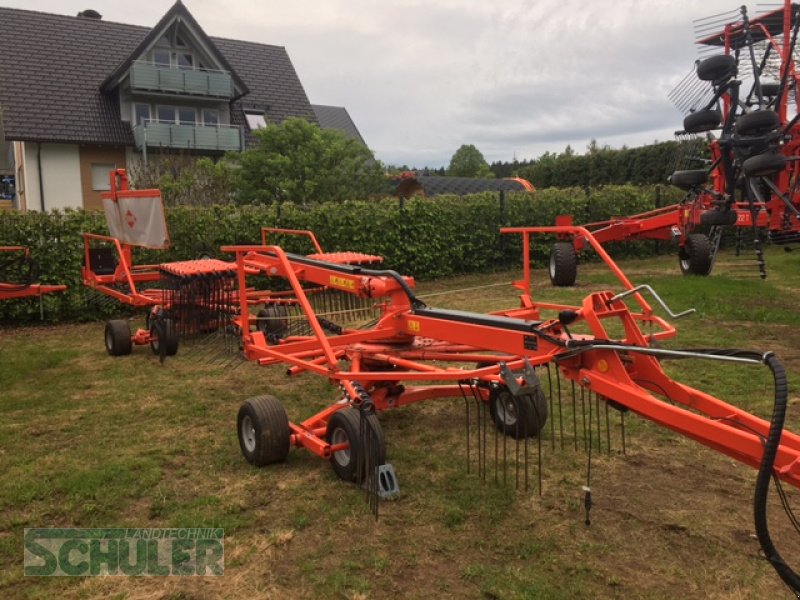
pixel 423 237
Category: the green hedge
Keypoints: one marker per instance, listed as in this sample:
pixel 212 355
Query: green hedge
pixel 426 238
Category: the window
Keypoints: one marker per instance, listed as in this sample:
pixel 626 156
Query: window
pixel 180 115
pixel 184 60
pixel 141 114
pixel 100 177
pixel 187 116
pixel 166 114
pixel 210 117
pixel 165 58
pixel 255 119
pixel 161 58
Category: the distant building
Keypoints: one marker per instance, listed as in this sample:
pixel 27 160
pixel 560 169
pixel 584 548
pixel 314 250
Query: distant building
pixel 80 96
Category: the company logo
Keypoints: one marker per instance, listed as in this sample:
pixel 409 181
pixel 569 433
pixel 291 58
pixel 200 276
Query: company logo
pixel 341 282
pixel 130 218
pixel 126 552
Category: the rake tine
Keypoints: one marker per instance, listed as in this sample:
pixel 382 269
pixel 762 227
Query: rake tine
pixel 597 411
pixel 551 411
pixel 608 430
pixel 466 404
pixel 574 417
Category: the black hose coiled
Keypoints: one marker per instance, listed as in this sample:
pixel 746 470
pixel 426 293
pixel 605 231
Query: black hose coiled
pixel 765 471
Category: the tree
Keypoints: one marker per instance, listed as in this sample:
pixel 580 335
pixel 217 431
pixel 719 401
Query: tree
pixel 299 162
pixel 469 162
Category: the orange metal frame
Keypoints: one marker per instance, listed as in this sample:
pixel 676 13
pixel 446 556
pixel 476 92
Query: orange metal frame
pixel 409 342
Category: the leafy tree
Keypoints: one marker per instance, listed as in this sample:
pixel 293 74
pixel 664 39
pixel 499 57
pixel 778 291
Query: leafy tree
pixel 469 162
pixel 184 179
pixel 299 162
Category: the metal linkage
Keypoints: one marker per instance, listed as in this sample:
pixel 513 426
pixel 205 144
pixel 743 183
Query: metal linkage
pixel 657 298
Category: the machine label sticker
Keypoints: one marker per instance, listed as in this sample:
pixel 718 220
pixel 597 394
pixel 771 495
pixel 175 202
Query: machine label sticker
pixel 413 326
pixel 342 283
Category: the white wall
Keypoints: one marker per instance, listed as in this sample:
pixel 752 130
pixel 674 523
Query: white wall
pixel 61 176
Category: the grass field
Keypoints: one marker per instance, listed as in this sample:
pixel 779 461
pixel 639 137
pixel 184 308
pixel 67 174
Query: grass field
pixel 87 440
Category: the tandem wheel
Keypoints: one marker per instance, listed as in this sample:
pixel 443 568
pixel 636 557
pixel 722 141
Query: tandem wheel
pixel 263 429
pixel 345 426
pixel 518 416
pixel 118 337
pixel 563 264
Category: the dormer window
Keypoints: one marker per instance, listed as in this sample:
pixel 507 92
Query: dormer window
pixel 167 58
pixel 255 119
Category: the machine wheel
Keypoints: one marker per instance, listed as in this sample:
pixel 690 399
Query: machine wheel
pixel 563 264
pixel 702 120
pixel 757 122
pixel 686 180
pixel 118 337
pixel 170 337
pixel 344 426
pixel 695 256
pixel 518 416
pixel 716 68
pixel 274 320
pixel 764 165
pixel 263 429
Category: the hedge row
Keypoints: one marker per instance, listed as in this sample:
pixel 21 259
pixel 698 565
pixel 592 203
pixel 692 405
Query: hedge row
pixel 426 238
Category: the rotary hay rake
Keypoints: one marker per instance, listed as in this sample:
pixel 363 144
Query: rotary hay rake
pixel 529 367
pixel 23 269
pixel 183 299
pixel 749 93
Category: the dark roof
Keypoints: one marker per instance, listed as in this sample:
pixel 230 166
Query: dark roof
pixel 433 185
pixel 337 117
pixel 52 66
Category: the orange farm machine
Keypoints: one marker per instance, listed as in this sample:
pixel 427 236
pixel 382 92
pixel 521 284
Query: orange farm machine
pixel 180 298
pixel 538 372
pixel 16 263
pixel 742 97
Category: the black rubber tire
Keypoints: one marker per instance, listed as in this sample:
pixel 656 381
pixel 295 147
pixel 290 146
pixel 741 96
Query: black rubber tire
pixel 770 89
pixel 344 426
pixel 687 180
pixel 695 255
pixel 171 336
pixel 263 430
pixel 716 68
pixel 757 123
pixel 118 337
pixel 702 120
pixel 274 320
pixel 563 268
pixel 518 417
pixel 764 165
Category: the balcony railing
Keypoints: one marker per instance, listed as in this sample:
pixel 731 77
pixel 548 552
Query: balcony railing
pixel 187 136
pixel 146 76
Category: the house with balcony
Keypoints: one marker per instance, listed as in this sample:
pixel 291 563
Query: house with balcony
pixel 80 96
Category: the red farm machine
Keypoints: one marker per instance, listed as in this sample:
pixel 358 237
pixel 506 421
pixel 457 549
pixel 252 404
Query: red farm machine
pixel 528 369
pixel 180 298
pixel 745 88
pixel 16 263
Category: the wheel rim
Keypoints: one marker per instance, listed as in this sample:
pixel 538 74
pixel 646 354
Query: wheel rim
pixel 506 411
pixel 247 432
pixel 684 264
pixel 552 266
pixel 342 457
pixel 110 341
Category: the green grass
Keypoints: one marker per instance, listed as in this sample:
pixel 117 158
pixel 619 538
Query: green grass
pixel 87 440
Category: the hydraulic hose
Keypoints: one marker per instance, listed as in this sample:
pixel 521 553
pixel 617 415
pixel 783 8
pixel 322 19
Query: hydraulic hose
pixel 765 472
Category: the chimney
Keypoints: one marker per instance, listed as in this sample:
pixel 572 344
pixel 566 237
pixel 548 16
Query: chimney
pixel 90 14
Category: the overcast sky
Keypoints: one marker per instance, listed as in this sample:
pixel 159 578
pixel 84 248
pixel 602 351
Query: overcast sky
pixel 420 78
